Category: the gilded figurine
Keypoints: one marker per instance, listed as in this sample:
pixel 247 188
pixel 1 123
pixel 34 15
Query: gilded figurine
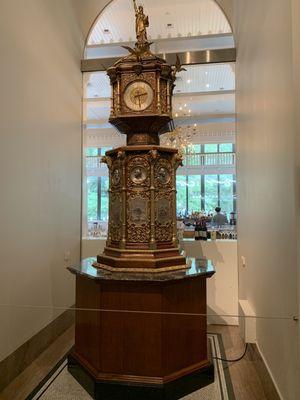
pixel 141 23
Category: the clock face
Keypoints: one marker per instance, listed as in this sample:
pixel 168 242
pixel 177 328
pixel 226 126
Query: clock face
pixel 138 95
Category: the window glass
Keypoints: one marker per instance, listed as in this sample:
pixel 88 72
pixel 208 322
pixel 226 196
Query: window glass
pixel 92 198
pixel 104 150
pixel 194 193
pixel 211 148
pixel 210 192
pixel 226 193
pixel 104 198
pixel 91 151
pixel 181 194
pixel 197 148
pixel 226 147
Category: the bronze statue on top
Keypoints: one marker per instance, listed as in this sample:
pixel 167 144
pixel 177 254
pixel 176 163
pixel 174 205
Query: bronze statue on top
pixel 141 23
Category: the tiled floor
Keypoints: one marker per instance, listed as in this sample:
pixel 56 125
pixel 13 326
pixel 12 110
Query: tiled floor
pixel 62 385
pixel 246 382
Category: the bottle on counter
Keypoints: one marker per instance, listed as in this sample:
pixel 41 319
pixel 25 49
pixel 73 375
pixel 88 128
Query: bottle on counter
pixel 232 219
pixel 204 231
pixel 197 230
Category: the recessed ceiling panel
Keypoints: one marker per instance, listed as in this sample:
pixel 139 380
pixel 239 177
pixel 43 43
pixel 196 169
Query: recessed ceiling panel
pixel 186 106
pixel 206 78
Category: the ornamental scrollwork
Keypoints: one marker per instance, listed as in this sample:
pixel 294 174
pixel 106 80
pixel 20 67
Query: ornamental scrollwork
pixel 138 218
pixel 177 160
pixel 164 216
pixel 115 217
pixel 107 160
pixel 164 233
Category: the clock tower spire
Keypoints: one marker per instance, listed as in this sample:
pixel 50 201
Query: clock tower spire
pixel 142 194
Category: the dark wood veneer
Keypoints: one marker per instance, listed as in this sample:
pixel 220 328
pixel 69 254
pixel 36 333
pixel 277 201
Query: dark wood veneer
pixel 125 334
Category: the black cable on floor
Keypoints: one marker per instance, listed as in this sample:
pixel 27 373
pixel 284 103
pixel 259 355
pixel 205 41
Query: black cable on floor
pixel 236 359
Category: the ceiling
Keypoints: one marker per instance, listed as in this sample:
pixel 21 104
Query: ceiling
pixel 162 46
pixel 168 19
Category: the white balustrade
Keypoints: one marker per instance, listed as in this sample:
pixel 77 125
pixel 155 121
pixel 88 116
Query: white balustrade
pixel 191 160
pixel 210 159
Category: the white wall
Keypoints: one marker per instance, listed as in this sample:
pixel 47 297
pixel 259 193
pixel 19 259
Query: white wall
pixel 296 83
pixel 40 168
pixel 40 48
pixel 266 180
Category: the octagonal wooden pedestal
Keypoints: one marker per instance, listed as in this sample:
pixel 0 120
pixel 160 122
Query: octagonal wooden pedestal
pixel 141 339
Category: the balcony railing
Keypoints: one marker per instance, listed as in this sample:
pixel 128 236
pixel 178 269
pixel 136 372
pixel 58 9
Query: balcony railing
pixel 210 159
pixel 191 160
pixel 93 162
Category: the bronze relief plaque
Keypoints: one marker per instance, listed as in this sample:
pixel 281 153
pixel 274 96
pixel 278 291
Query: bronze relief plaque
pixel 116 210
pixel 163 175
pixel 116 177
pixel 138 211
pixel 163 211
pixel 138 174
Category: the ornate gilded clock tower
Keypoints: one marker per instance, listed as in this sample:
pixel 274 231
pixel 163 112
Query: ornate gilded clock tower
pixel 140 334
pixel 142 234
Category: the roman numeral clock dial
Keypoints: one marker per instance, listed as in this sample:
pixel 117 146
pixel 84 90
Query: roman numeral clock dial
pixel 138 96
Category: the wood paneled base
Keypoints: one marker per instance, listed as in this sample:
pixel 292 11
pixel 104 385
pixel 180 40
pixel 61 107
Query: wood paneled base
pixel 141 332
pixel 108 390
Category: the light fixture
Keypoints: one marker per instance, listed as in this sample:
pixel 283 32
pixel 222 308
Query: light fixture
pixel 180 108
pixel 188 81
pixel 207 85
pixel 180 139
pixel 185 106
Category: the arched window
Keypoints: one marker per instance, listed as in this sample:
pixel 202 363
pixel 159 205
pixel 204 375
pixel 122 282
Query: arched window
pixel 204 99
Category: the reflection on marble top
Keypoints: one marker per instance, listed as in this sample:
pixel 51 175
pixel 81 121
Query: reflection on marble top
pixel 198 267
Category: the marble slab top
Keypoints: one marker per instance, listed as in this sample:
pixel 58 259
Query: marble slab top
pixel 198 267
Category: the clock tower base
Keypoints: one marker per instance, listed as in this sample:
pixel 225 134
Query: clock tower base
pixel 142 229
pixel 141 336
pixel 161 260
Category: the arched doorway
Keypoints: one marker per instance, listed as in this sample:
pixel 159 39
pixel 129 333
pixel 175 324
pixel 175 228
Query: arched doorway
pixel 204 103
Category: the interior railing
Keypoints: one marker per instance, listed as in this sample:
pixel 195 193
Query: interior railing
pixel 195 159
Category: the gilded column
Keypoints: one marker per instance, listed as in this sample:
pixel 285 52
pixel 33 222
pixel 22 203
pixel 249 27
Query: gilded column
pixel 121 155
pixel 158 94
pixel 177 161
pixel 153 156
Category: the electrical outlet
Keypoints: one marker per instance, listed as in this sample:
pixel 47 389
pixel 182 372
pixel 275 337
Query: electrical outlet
pixel 67 256
pixel 243 258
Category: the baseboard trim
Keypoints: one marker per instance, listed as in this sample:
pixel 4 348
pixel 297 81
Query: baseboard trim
pixel 14 364
pixel 267 380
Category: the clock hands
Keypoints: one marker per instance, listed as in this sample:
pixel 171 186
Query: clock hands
pixel 138 95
